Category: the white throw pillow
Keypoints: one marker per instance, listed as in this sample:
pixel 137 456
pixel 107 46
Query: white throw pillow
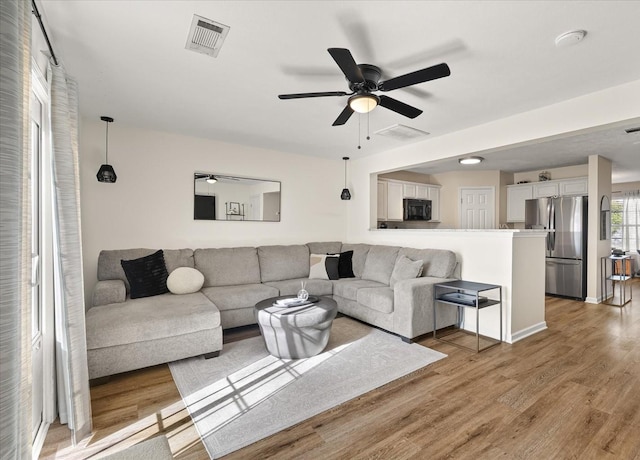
pixel 185 280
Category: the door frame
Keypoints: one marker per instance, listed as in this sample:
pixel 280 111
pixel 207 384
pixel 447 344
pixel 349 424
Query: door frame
pixel 41 89
pixel 478 187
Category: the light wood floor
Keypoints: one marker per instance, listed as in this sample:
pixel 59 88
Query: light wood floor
pixel 572 391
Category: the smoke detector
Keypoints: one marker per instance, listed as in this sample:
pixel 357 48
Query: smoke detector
pixel 206 36
pixel 570 38
pixel 401 132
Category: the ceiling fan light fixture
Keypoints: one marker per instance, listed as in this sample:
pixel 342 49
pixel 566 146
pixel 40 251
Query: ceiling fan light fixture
pixel 363 103
pixel 470 160
pixel 211 179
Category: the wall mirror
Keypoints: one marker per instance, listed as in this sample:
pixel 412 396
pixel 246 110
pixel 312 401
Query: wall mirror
pixel 605 218
pixel 224 197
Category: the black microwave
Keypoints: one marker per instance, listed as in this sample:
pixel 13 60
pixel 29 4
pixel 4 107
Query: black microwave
pixel 416 209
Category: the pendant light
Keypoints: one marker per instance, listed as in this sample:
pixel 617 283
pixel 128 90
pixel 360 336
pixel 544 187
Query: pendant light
pixel 345 195
pixel 106 172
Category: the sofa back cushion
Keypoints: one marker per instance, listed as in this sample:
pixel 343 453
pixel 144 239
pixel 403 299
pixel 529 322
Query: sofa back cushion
pixel 279 263
pixel 109 267
pixel 360 252
pixel 228 266
pixel 380 262
pixel 439 263
pixel 324 247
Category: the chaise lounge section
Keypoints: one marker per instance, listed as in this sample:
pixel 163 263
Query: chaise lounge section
pixel 125 334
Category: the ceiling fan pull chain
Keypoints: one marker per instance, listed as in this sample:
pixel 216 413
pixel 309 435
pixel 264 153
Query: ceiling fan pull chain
pixel 368 138
pixel 359 118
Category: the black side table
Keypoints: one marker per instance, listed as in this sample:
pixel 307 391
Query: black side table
pixel 465 294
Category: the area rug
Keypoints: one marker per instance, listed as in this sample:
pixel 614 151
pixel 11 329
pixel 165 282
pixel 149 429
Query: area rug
pixel 246 394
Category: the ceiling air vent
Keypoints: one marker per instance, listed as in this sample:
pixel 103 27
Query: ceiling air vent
pixel 206 36
pixel 401 132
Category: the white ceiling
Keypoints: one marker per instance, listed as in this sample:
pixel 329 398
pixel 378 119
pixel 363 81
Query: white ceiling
pixel 130 62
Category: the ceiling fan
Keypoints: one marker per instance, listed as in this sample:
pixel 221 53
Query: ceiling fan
pixel 364 79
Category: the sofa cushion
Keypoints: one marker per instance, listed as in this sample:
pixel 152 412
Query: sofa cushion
pixel 149 318
pixel 377 298
pixel 360 252
pixel 109 267
pixel 283 262
pixel 439 263
pixel 147 275
pixel 380 263
pixel 329 247
pixel 233 297
pixel 314 287
pixel 348 287
pixel 324 266
pixel 405 269
pixel 228 266
pixel 185 280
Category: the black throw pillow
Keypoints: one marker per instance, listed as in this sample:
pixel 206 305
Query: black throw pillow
pixel 345 265
pixel 147 275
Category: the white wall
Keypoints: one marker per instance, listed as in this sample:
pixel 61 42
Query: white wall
pixel 151 204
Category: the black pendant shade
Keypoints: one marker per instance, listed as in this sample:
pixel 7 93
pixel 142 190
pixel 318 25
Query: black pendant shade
pixel 346 194
pixel 106 173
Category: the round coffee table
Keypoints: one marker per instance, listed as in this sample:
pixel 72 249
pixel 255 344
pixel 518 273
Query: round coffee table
pixel 296 332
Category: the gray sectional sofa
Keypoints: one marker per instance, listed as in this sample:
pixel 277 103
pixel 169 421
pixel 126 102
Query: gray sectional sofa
pixel 125 334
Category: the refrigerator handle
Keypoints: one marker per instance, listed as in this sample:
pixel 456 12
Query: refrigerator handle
pixel 548 226
pixel 552 226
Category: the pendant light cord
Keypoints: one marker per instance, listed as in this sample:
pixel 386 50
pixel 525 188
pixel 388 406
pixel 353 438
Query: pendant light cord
pixel 345 173
pixel 106 145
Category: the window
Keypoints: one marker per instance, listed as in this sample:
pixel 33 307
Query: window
pixel 625 222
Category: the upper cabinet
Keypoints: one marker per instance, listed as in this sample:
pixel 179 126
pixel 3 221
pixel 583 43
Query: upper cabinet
pixel 545 189
pixel 392 192
pixel 394 201
pixel 517 194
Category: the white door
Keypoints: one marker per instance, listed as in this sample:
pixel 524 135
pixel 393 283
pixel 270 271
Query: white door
pixel 477 207
pixel 37 348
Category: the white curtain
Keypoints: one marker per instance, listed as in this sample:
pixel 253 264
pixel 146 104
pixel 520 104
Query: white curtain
pixel 71 341
pixel 631 221
pixel 15 231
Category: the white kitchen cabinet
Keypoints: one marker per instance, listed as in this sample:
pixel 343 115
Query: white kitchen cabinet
pixel 516 196
pixel 518 193
pixel 409 191
pixel 394 201
pixel 579 186
pixel 434 196
pixel 422 192
pixel 382 200
pixel 545 189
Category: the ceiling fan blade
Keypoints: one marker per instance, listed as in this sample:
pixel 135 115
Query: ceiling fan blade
pixel 301 95
pixel 347 64
pixel 413 78
pixel 399 107
pixel 344 116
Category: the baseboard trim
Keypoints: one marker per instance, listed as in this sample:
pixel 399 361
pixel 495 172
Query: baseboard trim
pixel 592 300
pixel 523 333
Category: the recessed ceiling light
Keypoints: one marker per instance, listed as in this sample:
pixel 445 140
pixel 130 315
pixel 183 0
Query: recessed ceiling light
pixel 470 160
pixel 570 38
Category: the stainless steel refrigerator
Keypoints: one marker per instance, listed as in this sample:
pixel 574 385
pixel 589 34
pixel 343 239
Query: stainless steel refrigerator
pixel 566 245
